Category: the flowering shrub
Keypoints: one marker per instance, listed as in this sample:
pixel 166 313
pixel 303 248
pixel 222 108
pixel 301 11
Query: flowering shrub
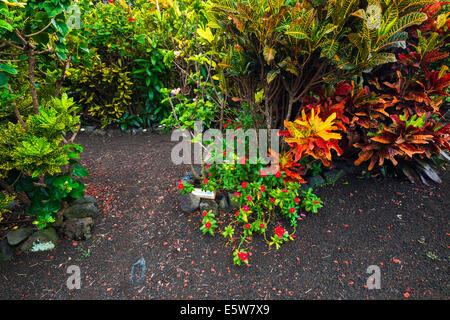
pixel 261 196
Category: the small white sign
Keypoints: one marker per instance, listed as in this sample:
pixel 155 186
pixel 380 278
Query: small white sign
pixel 203 194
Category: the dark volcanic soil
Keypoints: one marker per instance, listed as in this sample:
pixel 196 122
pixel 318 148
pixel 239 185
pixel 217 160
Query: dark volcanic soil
pixel 401 228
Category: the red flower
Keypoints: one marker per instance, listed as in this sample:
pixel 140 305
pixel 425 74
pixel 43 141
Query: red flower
pixel 225 126
pixel 205 213
pixel 180 186
pixel 263 173
pixel 237 213
pixel 262 225
pixel 283 190
pixel 237 194
pixel 247 226
pixel 263 188
pixel 242 255
pixel 110 1
pixel 245 208
pixel 316 202
pixel 279 231
pixel 278 174
pixel 272 200
pixel 130 19
pixel 244 185
pixel 296 200
pixel 249 198
pixel 209 174
pixel 243 161
pixel 208 225
pixel 205 181
pixel 292 210
pixel 207 166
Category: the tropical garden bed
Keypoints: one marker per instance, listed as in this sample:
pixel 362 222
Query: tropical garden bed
pixel 275 102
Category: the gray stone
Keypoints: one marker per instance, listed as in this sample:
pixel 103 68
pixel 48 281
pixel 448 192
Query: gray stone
pixel 78 229
pixel 128 132
pixel 139 131
pixel 41 240
pixel 223 204
pixel 315 181
pixel 188 202
pixel 209 204
pixel 233 201
pixel 159 130
pixel 6 252
pixel 86 199
pixel 333 175
pixel 110 133
pixel 82 210
pixel 17 236
pixel 89 129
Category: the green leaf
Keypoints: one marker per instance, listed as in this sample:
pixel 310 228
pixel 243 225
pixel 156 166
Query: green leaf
pixel 6 25
pixel 7 68
pixel 80 171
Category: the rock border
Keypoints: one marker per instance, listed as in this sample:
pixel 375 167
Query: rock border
pixel 76 223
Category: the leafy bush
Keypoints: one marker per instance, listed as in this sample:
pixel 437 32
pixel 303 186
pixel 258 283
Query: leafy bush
pixel 38 121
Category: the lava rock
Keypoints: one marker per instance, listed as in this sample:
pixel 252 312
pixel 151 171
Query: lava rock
pixel 6 252
pixel 82 210
pixel 41 240
pixel 89 129
pixel 333 175
pixel 86 199
pixel 78 229
pixel 223 204
pixel 315 181
pixel 209 205
pixel 17 236
pixel 233 201
pixel 188 202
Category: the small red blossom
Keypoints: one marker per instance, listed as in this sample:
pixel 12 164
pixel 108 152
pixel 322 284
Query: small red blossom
pixel 263 173
pixel 272 200
pixel 249 198
pixel 262 225
pixel 243 161
pixel 208 225
pixel 297 200
pixel 245 208
pixel 181 186
pixel 247 226
pixel 316 202
pixel 237 194
pixel 207 166
pixel 263 188
pixel 205 181
pixel 291 210
pixel 278 174
pixel 243 256
pixel 244 185
pixel 130 19
pixel 225 126
pixel 205 213
pixel 283 190
pixel 279 231
pixel 237 213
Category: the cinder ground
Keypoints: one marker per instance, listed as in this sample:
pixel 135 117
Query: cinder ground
pixel 397 226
